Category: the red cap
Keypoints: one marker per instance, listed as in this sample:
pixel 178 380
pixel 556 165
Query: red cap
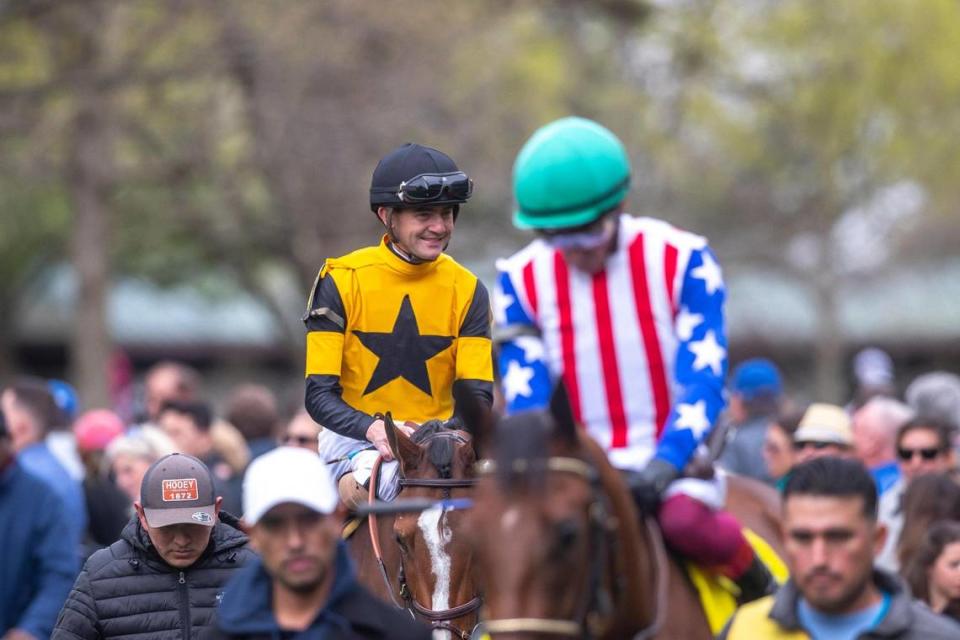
pixel 95 429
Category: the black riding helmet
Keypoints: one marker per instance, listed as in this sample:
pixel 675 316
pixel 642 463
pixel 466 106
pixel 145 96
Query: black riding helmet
pixel 413 174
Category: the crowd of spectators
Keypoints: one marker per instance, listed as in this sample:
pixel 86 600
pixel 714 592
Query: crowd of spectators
pixel 908 443
pixel 73 486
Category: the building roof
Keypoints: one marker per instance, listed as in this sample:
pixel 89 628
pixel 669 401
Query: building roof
pixel 917 304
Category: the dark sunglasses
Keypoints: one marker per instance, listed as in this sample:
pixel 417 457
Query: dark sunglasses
pixel 813 444
pixel 925 453
pixel 300 440
pixel 428 187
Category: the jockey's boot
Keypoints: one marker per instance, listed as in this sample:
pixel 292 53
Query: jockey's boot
pixel 756 582
pixel 352 493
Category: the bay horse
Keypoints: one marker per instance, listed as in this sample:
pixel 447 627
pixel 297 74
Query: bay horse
pixel 560 546
pixel 421 561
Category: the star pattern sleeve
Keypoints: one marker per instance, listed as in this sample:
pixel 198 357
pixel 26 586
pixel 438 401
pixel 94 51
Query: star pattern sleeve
pixel 701 359
pixel 524 375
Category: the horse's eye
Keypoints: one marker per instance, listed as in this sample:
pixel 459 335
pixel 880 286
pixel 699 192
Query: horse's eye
pixel 566 533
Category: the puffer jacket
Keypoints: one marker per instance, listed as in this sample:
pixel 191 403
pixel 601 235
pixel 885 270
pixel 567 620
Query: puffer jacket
pixel 127 589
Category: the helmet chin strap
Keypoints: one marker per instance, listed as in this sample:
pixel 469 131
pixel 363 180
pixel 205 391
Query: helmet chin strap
pixel 403 255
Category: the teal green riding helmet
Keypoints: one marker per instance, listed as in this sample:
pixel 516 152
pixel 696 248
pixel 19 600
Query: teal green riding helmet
pixel 568 174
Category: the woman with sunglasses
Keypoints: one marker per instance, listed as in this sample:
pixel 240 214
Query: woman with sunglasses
pixel 393 327
pixel 924 446
pixel 302 432
pixel 627 312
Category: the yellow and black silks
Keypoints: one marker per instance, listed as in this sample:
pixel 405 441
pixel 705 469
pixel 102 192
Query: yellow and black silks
pixel 395 335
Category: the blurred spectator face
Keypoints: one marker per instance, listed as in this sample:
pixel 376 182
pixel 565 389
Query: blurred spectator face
pixel 21 425
pixel 830 545
pixel 302 432
pixel 945 574
pixel 163 384
pixel 297 544
pixel 128 471
pixel 777 451
pixel 920 451
pixel 252 409
pixel 735 409
pixel 809 449
pixel 863 435
pixel 875 426
pixel 180 545
pixel 186 435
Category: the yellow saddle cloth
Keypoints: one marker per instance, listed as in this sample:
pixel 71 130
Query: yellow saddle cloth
pixel 718 594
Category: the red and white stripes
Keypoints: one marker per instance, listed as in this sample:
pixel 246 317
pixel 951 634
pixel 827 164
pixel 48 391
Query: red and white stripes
pixel 611 335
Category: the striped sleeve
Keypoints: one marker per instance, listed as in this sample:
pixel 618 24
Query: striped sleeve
pixel 701 359
pixel 474 348
pixel 524 375
pixel 325 320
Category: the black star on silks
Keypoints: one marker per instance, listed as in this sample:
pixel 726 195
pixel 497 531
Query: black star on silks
pixel 403 352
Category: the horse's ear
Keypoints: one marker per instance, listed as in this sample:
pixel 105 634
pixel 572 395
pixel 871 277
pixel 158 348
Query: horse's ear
pixel 404 449
pixel 476 416
pixel 562 413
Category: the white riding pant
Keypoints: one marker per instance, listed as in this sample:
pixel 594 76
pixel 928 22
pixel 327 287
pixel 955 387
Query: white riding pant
pixel 345 455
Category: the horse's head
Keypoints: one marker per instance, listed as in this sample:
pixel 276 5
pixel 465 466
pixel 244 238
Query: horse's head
pixel 547 530
pixel 437 462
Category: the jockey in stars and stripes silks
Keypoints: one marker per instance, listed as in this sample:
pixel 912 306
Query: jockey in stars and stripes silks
pixel 628 313
pixel 640 346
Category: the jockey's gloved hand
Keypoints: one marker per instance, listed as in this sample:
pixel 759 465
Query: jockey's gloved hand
pixel 649 484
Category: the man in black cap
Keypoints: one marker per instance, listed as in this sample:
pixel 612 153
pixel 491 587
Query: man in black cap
pixel 165 576
pixel 394 327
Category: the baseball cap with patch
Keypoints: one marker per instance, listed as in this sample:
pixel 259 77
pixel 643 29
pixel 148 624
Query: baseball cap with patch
pixel 178 489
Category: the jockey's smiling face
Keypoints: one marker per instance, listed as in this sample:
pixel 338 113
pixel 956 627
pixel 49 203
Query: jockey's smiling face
pixel 421 232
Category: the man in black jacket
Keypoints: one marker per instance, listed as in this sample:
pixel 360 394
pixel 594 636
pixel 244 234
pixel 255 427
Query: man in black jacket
pixel 165 576
pixel 303 587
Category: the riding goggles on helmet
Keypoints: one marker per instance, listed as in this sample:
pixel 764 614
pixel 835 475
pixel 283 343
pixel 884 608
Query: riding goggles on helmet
pixel 433 187
pixel 584 240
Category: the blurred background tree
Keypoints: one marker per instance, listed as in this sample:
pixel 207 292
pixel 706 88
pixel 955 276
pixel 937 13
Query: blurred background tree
pixel 229 144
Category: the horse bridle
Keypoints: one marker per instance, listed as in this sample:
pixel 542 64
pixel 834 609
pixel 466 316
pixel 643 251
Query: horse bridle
pixel 599 601
pixel 439 619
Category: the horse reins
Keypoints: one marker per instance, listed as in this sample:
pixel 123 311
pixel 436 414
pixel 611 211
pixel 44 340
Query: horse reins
pixel 439 619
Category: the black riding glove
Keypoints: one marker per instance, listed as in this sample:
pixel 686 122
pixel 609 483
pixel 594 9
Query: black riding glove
pixel 649 484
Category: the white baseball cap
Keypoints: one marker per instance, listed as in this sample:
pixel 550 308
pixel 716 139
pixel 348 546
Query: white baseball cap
pixel 287 474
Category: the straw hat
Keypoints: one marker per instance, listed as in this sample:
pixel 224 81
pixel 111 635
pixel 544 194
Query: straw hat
pixel 825 423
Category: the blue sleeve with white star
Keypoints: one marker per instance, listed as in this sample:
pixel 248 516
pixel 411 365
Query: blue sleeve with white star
pixel 524 376
pixel 701 360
